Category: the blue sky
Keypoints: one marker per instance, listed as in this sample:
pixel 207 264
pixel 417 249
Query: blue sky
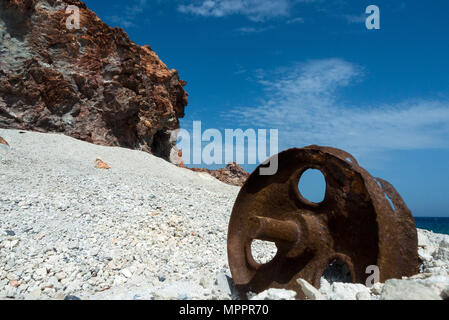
pixel 311 69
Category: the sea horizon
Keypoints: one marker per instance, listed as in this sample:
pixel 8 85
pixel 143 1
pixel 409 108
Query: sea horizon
pixel 434 224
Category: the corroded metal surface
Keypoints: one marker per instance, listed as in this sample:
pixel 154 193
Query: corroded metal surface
pixel 355 224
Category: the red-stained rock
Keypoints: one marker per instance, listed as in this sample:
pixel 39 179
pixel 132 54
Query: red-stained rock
pixel 3 141
pixel 93 83
pixel 100 164
pixel 232 174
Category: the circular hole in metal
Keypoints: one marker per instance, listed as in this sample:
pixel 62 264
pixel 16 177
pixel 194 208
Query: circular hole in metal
pixel 337 271
pixel 312 185
pixel 263 251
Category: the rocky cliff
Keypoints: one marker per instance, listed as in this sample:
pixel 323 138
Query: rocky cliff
pixel 91 82
pixel 232 174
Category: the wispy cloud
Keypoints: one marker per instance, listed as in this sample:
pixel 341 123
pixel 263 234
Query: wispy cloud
pixel 240 69
pixel 304 104
pixel 355 18
pixel 130 12
pixel 255 10
pixel 251 30
pixel 295 20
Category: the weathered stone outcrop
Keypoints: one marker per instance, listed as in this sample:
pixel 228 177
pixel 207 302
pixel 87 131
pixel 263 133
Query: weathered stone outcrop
pixel 91 83
pixel 232 174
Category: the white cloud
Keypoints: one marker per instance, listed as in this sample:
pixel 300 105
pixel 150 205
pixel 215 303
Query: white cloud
pixel 255 10
pixel 250 30
pixel 304 104
pixel 295 20
pixel 129 13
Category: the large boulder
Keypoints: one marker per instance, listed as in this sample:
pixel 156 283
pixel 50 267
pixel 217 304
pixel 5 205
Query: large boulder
pixel 92 83
pixel 405 289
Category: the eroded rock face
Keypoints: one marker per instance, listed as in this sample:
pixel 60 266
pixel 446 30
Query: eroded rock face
pixel 232 174
pixel 91 83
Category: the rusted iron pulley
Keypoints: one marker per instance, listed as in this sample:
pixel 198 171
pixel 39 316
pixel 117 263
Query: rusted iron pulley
pixel 355 224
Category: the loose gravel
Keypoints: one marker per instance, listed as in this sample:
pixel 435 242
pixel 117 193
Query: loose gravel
pixel 68 229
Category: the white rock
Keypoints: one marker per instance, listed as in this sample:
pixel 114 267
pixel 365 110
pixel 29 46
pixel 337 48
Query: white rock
pixel 225 284
pixel 442 254
pixel 423 240
pixel 49 291
pixel 309 291
pixel 437 282
pixel 12 276
pixel 61 275
pixel 11 292
pixel 275 294
pixel 395 289
pixel 425 255
pixel 345 291
pixel 127 273
pixel 34 294
pixel 11 244
pixel 420 276
pixel 52 283
pixel 119 280
pixel 40 273
pixel 363 295
pixel 445 242
pixel 325 286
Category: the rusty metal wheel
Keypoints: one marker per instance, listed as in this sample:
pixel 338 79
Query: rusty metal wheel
pixel 355 225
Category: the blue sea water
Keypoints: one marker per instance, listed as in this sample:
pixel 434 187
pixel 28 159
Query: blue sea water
pixel 438 225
